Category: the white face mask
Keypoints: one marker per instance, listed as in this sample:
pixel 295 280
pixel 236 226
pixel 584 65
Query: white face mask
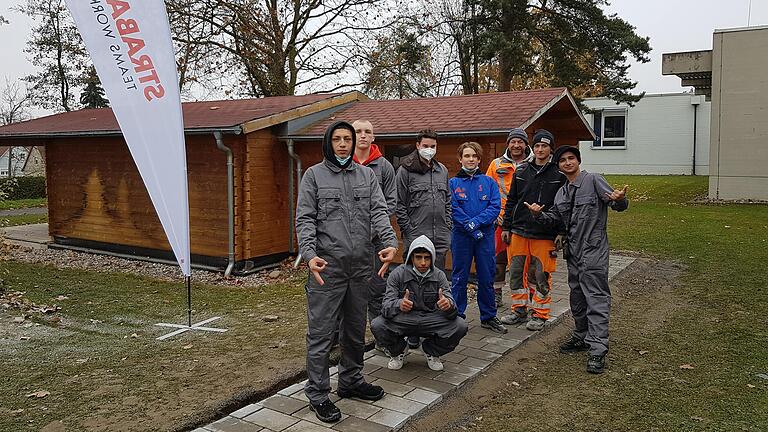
pixel 427 153
pixel 415 270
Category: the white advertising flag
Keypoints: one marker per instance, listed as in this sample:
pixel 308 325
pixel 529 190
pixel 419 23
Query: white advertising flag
pixel 130 45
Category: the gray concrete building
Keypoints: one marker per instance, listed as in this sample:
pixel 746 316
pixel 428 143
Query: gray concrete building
pixel 734 74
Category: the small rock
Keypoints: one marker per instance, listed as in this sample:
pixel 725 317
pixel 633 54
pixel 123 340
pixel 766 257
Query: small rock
pixel 274 274
pixel 18 320
pixel 134 335
pixel 270 318
pixel 762 376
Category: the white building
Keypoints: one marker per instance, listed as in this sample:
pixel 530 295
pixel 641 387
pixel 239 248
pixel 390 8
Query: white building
pixel 12 159
pixel 656 136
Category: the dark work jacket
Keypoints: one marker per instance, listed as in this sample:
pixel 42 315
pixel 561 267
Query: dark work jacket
pixel 532 186
pixel 423 201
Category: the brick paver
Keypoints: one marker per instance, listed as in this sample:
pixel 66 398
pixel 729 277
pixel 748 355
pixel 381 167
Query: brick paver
pixel 410 390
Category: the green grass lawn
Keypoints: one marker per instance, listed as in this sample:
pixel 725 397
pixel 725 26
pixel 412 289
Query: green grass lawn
pixel 724 332
pixel 8 221
pixel 104 370
pixel 23 203
pixel 712 321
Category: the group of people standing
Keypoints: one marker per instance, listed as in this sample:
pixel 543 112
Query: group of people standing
pixel 532 202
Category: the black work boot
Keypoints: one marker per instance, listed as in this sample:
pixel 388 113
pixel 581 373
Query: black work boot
pixel 494 324
pixel 596 364
pixel 363 390
pixel 326 411
pixel 573 345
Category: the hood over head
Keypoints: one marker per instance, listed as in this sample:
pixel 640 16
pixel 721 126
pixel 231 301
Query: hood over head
pixel 328 153
pixel 424 242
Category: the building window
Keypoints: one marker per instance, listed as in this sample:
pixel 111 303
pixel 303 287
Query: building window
pixel 611 129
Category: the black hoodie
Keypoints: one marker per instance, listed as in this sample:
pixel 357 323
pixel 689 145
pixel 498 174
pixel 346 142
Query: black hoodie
pixel 328 153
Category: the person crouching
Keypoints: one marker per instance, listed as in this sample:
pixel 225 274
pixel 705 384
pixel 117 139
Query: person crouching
pixel 418 302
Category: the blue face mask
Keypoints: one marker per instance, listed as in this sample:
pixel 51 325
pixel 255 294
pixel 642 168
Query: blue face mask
pixel 343 161
pixel 470 172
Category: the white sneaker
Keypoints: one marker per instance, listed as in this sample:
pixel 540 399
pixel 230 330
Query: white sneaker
pixel 434 362
pixel 397 362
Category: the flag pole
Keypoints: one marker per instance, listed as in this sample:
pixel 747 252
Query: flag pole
pixel 189 299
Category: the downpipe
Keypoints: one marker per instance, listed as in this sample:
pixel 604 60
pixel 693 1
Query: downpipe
pixel 293 199
pixel 230 202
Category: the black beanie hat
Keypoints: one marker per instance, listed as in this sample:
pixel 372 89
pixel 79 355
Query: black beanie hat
pixel 545 136
pixel 328 153
pixel 566 149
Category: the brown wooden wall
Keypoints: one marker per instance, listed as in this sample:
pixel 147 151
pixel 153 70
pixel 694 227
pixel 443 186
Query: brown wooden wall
pixel 95 193
pixel 262 206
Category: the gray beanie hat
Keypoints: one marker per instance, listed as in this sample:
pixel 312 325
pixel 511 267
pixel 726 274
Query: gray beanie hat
pixel 517 133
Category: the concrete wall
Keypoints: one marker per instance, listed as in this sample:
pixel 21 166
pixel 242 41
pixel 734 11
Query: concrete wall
pixel 659 137
pixel 739 143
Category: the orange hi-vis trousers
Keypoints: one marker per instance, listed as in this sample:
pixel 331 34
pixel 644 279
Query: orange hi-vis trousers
pixel 531 256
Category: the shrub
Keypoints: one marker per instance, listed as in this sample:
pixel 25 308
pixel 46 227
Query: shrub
pixel 16 188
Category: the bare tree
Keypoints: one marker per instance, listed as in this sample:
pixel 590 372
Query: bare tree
pixel 14 102
pixel 276 46
pixel 57 49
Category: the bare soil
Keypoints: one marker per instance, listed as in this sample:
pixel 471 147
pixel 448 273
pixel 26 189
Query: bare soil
pixel 536 388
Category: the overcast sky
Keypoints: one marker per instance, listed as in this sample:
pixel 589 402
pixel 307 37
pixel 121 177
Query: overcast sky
pixel 672 25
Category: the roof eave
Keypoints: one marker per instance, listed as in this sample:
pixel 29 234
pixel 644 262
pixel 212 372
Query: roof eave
pixel 565 94
pixel 230 130
pixel 292 114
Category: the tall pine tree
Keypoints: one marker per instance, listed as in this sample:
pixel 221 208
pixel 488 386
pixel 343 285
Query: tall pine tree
pixel 93 94
pixel 506 45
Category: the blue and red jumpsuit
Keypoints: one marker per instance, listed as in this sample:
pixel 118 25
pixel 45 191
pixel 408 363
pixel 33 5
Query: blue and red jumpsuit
pixel 476 204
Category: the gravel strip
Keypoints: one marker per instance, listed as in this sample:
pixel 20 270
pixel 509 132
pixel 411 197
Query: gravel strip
pixel 68 259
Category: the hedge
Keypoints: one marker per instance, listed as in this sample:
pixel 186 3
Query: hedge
pixel 25 187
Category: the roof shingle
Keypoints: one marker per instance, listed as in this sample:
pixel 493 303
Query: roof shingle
pixel 197 115
pixel 480 112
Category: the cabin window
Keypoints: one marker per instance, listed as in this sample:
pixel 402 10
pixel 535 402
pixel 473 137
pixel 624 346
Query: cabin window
pixel 611 129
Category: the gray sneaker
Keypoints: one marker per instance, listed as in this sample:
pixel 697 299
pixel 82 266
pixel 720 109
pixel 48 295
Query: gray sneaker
pixel 514 318
pixel 535 324
pixel 499 300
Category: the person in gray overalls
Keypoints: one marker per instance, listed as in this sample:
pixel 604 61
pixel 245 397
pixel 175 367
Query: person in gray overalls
pixel 418 301
pixel 340 209
pixel 581 205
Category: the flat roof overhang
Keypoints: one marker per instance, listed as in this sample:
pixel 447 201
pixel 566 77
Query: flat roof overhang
pixel 694 68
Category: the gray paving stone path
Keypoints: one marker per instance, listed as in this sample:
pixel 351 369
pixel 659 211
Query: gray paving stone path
pixel 409 391
pixel 24 211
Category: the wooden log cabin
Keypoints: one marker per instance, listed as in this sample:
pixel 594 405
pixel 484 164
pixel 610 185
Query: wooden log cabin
pixel 97 201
